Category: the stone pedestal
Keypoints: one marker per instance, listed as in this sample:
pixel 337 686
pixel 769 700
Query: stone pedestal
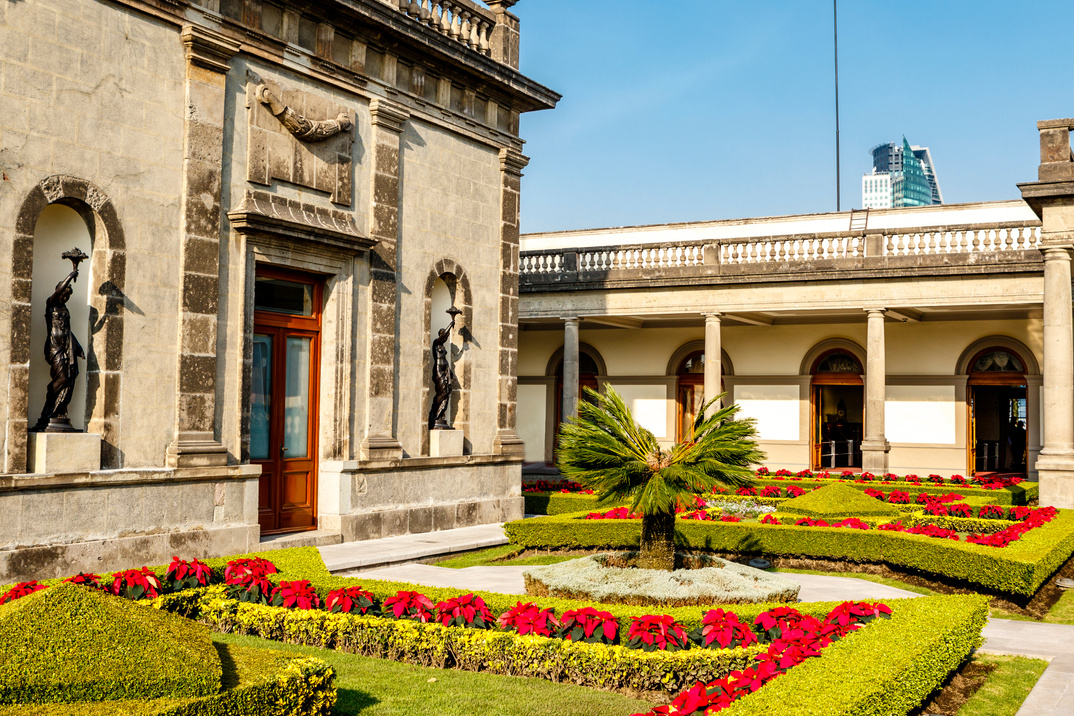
pixel 59 453
pixel 445 443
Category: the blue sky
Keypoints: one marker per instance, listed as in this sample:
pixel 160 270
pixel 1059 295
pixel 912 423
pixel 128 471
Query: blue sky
pixel 691 111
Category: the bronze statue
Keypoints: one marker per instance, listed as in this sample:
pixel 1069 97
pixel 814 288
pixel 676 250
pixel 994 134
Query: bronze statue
pixel 442 376
pixel 62 352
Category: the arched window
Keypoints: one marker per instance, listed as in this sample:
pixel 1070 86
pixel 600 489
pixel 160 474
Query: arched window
pixel 690 392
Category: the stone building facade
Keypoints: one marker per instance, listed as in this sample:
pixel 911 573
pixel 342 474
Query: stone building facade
pixel 934 340
pixel 279 200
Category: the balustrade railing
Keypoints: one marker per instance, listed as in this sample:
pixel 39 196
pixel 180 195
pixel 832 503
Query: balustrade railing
pixel 461 20
pixel 969 239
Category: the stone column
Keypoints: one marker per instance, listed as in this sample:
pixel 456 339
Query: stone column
pixel 570 368
pixel 380 441
pixel 713 358
pixel 207 62
pixel 507 441
pixel 875 447
pixel 1055 466
pixel 1052 199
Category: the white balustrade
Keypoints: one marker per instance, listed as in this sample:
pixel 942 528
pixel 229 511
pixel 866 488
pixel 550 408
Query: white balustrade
pixel 461 20
pixel 540 264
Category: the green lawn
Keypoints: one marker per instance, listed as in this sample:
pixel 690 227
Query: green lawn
pixel 376 687
pixel 1006 688
pixel 1062 612
pixel 494 557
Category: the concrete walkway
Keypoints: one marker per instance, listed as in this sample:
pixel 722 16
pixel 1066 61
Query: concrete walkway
pixel 395 559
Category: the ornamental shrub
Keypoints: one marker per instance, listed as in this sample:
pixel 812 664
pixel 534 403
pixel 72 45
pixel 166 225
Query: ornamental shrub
pixel 298 594
pixel 186 575
pixel 84 579
pixel 351 600
pixel 656 633
pixel 465 611
pixel 136 584
pixel 409 605
pixel 528 618
pixel 589 625
pixel 21 590
pixel 723 630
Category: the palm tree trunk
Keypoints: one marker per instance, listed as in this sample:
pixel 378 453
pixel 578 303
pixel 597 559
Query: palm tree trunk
pixel 657 542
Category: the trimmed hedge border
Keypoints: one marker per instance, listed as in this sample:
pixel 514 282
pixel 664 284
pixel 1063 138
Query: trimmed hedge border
pixel 1018 569
pixel 889 673
pixel 926 633
pixel 559 503
pixel 271 684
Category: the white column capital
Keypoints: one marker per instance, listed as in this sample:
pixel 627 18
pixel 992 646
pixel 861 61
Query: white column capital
pixel 712 316
pixel 570 319
pixel 872 310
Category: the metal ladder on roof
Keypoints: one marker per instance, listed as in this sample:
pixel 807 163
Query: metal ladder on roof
pixel 859 220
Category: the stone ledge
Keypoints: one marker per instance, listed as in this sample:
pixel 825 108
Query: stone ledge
pixel 107 555
pixel 136 476
pixel 424 463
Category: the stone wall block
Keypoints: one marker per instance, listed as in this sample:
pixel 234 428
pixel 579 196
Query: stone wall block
pixel 200 293
pixel 197 373
pixel 21 319
pixel 196 412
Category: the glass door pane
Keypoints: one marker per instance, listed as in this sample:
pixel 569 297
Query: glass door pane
pixel 297 400
pixel 261 398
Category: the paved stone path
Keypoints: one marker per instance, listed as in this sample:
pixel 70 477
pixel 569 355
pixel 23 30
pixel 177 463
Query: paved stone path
pixel 395 558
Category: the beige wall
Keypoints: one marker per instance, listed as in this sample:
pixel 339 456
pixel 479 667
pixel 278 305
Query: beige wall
pixel 95 91
pixel 926 415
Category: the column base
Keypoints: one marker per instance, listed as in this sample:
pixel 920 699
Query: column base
pixel 874 456
pixel 381 447
pixel 196 450
pixel 507 442
pixel 445 443
pixel 1055 473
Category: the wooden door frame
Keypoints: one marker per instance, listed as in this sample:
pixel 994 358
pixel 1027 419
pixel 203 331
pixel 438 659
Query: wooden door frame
pixel 998 380
pixel 818 381
pixel 304 326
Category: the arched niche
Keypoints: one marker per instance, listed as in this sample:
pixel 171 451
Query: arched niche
pixel 103 278
pixel 586 353
pixel 687 350
pixel 448 285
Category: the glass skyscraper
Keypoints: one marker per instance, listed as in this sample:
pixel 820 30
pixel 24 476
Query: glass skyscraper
pixel 902 176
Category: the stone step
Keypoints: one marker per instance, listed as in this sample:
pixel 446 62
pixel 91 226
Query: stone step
pixel 351 556
pixel 313 538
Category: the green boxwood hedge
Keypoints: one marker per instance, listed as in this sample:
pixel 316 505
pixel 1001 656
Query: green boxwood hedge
pixel 70 643
pixel 840 501
pixel 888 669
pixel 1019 494
pixel 558 503
pixel 1017 569
pixel 258 682
pixel 924 631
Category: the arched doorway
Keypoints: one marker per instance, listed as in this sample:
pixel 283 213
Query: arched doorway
pixel 690 392
pixel 838 407
pixel 590 370
pixel 998 414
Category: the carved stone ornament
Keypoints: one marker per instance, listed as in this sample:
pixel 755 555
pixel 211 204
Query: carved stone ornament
pixel 305 130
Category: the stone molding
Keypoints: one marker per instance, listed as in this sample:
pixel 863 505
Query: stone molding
pixel 512 161
pixel 388 115
pixel 265 214
pixel 104 355
pixel 137 476
pixel 209 49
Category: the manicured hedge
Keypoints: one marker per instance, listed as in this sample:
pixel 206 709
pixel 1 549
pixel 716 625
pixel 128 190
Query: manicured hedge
pixel 838 500
pixel 70 643
pixel 1019 494
pixel 888 669
pixel 1018 569
pixel 917 624
pixel 558 503
pixel 263 683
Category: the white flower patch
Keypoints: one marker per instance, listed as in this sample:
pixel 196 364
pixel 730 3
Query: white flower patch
pixel 723 583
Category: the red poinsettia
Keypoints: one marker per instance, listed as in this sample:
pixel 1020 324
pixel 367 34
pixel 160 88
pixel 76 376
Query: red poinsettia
pixel 351 600
pixel 730 518
pixel 770 491
pixel 186 575
pixel 136 584
pixel 898 497
pixel 589 625
pixel 853 523
pixel 617 513
pixel 990 512
pixel 20 590
pixel 746 491
pixel 528 618
pixel 697 515
pixel 299 594
pixel 873 492
pixel 656 633
pixel 469 611
pixel 960 510
pixel 794 491
pixel 247 579
pixel 770 520
pixel 410 605
pixel 810 522
pixel 722 629
pixel 86 580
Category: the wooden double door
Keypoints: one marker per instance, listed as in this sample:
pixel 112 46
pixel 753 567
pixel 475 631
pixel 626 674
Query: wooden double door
pixel 284 390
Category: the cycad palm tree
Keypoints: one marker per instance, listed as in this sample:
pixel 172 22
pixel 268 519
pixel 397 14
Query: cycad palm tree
pixel 605 450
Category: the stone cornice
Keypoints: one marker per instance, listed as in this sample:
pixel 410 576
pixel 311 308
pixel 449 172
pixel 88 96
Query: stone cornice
pixel 388 115
pixel 265 214
pixel 513 162
pixel 209 49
